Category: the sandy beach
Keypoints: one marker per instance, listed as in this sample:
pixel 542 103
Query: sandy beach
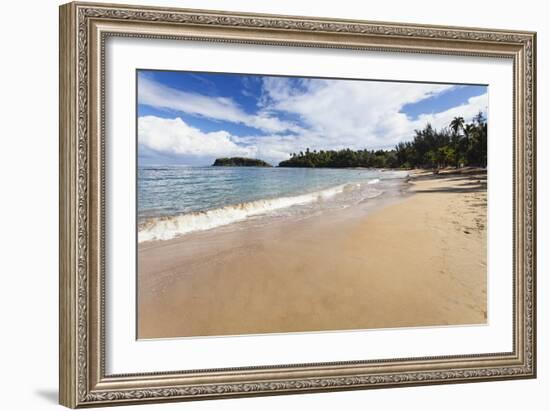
pixel 416 260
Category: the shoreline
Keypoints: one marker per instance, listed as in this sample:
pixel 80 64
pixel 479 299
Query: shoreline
pixel 416 260
pixel 342 194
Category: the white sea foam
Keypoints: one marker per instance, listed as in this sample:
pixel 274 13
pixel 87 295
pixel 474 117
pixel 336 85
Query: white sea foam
pixel 374 181
pixel 165 228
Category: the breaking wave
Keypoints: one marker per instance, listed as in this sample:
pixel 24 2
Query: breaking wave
pixel 168 227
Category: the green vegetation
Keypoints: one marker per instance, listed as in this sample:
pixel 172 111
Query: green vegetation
pixel 240 162
pixel 458 145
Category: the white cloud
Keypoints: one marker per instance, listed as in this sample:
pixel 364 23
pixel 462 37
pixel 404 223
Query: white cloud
pixel 467 110
pixel 154 94
pixel 359 114
pixel 335 114
pixel 174 136
pixel 350 113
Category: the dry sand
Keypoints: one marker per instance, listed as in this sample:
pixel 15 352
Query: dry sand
pixel 420 261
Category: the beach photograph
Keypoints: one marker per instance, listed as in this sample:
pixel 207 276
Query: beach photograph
pixel 283 204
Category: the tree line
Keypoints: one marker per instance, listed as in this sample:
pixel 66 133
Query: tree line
pixel 460 144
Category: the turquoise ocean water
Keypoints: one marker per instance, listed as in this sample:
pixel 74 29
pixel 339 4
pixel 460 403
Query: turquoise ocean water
pixel 176 200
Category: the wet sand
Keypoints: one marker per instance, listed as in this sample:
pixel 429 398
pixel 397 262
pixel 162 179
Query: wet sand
pixel 417 261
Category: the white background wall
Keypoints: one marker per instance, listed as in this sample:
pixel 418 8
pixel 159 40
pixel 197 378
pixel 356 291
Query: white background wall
pixel 28 205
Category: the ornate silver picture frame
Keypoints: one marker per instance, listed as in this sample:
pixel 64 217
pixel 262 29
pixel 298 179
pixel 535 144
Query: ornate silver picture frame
pixel 84 30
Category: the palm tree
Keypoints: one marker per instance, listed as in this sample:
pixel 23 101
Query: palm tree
pixel 457 124
pixel 479 119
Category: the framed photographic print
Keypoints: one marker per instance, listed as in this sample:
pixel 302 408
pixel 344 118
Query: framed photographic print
pixel 258 204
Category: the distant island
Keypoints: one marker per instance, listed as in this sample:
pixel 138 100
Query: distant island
pixel 240 162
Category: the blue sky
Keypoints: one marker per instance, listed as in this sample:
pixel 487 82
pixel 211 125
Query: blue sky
pixel 192 118
pixel 444 101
